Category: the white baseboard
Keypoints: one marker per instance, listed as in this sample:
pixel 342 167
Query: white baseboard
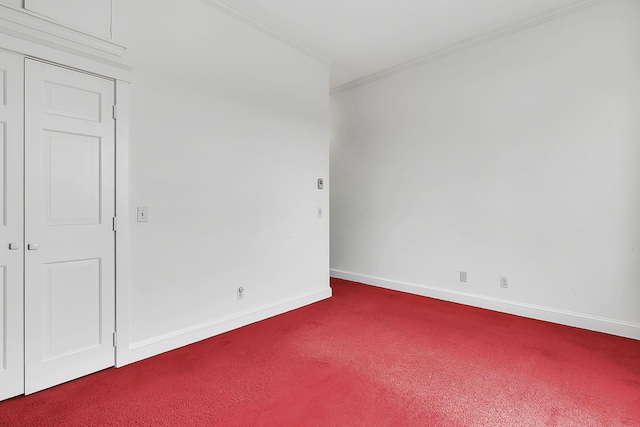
pixel 584 321
pixel 151 347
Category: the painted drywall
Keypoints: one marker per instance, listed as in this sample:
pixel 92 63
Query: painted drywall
pixel 516 158
pixel 17 4
pixel 229 133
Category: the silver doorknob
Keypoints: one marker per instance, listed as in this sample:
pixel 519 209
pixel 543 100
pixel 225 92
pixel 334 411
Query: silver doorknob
pixel 14 246
pixel 32 246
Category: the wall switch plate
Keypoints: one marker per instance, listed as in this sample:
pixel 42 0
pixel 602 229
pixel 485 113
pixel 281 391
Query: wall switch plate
pixel 320 183
pixel 463 276
pixel 504 282
pixel 142 214
pixel 240 293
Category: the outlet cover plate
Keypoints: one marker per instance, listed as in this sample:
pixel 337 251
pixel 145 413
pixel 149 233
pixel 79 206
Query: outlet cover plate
pixel 504 282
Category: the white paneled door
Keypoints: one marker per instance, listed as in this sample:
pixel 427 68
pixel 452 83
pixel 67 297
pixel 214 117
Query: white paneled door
pixel 11 227
pixel 69 284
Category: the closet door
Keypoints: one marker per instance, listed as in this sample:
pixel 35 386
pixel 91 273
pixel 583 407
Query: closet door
pixel 69 208
pixel 11 228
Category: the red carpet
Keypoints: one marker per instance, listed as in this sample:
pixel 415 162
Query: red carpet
pixel 366 357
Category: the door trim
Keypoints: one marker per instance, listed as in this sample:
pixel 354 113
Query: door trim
pixel 123 97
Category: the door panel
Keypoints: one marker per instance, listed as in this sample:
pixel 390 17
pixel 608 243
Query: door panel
pixel 72 179
pixel 11 227
pixel 3 86
pixel 71 102
pixel 3 170
pixel 69 205
pixel 80 314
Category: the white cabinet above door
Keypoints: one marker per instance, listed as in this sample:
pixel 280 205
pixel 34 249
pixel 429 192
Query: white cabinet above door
pixel 92 17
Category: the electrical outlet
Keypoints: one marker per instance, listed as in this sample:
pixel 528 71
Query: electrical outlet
pixel 240 292
pixel 504 282
pixel 463 276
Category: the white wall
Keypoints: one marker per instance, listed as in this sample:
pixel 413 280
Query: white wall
pixel 13 3
pixel 517 158
pixel 229 132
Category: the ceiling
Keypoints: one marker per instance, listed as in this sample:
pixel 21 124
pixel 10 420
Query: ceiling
pixel 366 37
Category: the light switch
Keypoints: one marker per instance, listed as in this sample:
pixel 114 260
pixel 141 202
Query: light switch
pixel 320 183
pixel 142 214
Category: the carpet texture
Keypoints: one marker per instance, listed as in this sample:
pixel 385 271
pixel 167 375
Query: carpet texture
pixel 366 357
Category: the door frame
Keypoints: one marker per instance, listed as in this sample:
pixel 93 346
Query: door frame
pixel 123 215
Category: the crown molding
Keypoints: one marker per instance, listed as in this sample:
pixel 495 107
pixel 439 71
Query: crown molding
pixel 472 42
pixel 269 30
pixel 31 27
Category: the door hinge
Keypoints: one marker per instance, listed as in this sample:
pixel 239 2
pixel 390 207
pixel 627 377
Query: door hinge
pixel 115 112
pixel 115 339
pixel 115 224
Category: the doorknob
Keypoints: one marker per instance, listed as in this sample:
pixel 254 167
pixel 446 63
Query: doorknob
pixel 32 246
pixel 14 246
